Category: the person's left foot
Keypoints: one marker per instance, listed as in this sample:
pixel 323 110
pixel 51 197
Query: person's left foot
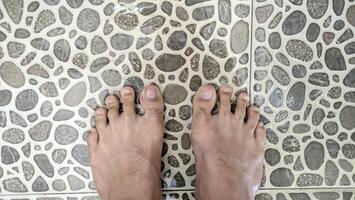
pixel 125 149
pixel 229 151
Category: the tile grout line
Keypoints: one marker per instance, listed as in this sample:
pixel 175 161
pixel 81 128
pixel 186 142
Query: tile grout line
pixel 187 190
pixel 47 194
pixel 303 188
pixel 251 47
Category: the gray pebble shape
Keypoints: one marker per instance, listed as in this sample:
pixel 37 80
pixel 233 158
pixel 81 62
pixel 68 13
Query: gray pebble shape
pixel 314 155
pixel 62 50
pixel 174 94
pixel 239 37
pixel 45 19
pixel 75 95
pixel 65 134
pixel 44 164
pixel 88 20
pixel 11 74
pixel 80 153
pixel 26 100
pixel 121 41
pixel 177 40
pixel 317 8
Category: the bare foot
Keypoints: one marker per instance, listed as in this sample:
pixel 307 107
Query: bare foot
pixel 229 152
pixel 125 149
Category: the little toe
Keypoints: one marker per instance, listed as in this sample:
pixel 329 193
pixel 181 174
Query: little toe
pixel 101 118
pixel 241 107
pixel 127 95
pixel 225 94
pixel 260 133
pixel 152 102
pixel 112 105
pixel 253 117
pixel 92 139
pixel 204 100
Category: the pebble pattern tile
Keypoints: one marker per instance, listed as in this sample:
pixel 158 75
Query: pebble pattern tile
pixel 85 196
pixel 60 59
pixel 303 79
pixel 340 194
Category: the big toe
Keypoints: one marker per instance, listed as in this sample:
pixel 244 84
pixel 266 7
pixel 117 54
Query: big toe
pixel 204 100
pixel 152 102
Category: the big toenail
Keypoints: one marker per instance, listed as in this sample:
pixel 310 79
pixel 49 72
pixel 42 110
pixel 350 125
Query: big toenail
pixel 261 124
pixel 206 94
pixel 151 93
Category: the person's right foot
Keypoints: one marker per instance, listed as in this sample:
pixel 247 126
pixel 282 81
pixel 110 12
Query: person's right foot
pixel 229 152
pixel 125 149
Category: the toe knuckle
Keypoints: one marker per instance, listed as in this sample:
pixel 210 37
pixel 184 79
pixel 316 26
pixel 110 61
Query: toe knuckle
pixel 91 135
pixel 263 131
pixel 157 113
pixel 239 116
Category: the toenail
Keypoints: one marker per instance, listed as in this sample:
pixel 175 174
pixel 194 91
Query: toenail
pixel 151 93
pixel 255 109
pixel 245 97
pixel 206 94
pixel 99 111
pixel 109 100
pixel 227 89
pixel 261 124
pixel 126 90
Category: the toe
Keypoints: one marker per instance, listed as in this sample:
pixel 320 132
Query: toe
pixel 101 118
pixel 225 94
pixel 127 95
pixel 92 139
pixel 253 117
pixel 204 100
pixel 260 133
pixel 152 102
pixel 112 105
pixel 242 104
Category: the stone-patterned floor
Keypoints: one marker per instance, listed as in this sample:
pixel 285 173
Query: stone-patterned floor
pixel 60 59
pixel 304 80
